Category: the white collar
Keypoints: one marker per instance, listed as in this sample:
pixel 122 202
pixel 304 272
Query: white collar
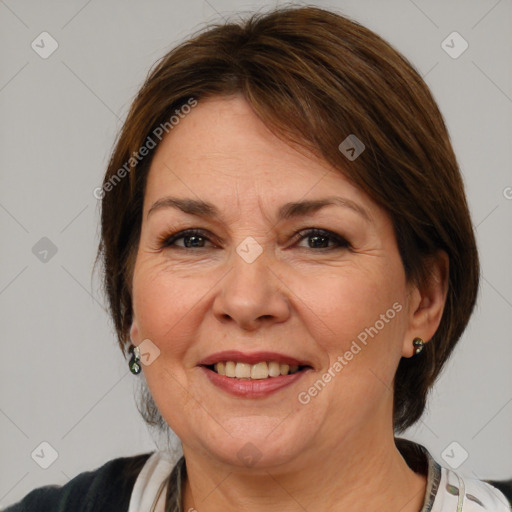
pixel 446 490
pixel 149 491
pixel 463 494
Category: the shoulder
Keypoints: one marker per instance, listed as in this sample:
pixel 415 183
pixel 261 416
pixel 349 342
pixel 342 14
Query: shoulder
pixel 448 490
pixel 505 486
pixel 106 488
pixel 470 494
pixel 477 495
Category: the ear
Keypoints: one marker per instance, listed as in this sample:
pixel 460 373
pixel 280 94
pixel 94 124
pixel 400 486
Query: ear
pixel 134 331
pixel 426 302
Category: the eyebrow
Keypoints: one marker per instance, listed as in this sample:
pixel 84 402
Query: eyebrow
pixel 287 211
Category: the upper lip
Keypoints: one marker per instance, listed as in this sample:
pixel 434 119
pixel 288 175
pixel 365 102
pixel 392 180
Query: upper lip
pixel 252 358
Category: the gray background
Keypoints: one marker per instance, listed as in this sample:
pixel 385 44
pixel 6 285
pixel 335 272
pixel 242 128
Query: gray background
pixel 63 379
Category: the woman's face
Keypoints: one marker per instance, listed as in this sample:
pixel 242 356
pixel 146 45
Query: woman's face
pixel 255 279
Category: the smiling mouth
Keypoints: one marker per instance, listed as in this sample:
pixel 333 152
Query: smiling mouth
pixel 259 371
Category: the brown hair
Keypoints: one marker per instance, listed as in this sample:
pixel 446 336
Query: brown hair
pixel 314 77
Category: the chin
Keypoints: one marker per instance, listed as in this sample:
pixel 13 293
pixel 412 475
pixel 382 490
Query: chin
pixel 255 441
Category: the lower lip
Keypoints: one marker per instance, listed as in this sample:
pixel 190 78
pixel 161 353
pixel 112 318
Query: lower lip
pixel 249 388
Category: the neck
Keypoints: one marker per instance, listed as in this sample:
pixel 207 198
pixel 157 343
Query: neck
pixel 355 476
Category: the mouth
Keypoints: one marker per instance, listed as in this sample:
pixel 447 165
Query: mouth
pixel 255 375
pixel 256 366
pixel 259 371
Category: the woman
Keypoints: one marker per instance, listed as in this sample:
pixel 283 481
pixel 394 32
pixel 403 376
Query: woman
pixel 289 261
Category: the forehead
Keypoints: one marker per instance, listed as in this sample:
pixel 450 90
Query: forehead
pixel 222 150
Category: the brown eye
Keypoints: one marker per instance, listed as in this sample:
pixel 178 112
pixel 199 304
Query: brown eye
pixel 322 239
pixel 191 238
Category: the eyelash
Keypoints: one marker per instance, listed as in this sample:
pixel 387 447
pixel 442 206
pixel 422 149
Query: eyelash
pixel 168 241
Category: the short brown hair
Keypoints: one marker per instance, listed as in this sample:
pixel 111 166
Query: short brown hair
pixel 314 77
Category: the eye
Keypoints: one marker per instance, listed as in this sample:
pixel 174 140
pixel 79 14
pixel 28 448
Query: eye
pixel 191 238
pixel 319 239
pixel 196 238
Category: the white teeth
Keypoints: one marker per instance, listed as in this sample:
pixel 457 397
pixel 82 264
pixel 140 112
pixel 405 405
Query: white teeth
pixel 220 368
pixel 274 369
pixel 230 369
pixel 242 370
pixel 258 371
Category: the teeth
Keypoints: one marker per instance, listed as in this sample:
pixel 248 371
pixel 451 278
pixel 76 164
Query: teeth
pixel 258 371
pixel 242 370
pixel 274 369
pixel 230 369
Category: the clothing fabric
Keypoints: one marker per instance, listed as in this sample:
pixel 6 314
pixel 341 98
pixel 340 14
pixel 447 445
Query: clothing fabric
pixel 106 489
pixel 150 489
pixel 141 484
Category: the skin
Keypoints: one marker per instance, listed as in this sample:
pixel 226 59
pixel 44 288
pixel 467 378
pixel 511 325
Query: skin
pixel 295 298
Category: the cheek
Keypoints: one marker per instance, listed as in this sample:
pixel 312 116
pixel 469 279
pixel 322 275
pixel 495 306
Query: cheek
pixel 350 302
pixel 357 319
pixel 163 305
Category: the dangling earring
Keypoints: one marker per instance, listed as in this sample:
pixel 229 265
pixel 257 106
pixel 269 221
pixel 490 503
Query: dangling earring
pixel 419 344
pixel 134 364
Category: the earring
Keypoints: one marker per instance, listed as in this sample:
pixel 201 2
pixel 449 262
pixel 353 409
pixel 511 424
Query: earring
pixel 134 364
pixel 419 344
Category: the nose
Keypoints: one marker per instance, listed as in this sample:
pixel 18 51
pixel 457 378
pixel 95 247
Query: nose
pixel 251 295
